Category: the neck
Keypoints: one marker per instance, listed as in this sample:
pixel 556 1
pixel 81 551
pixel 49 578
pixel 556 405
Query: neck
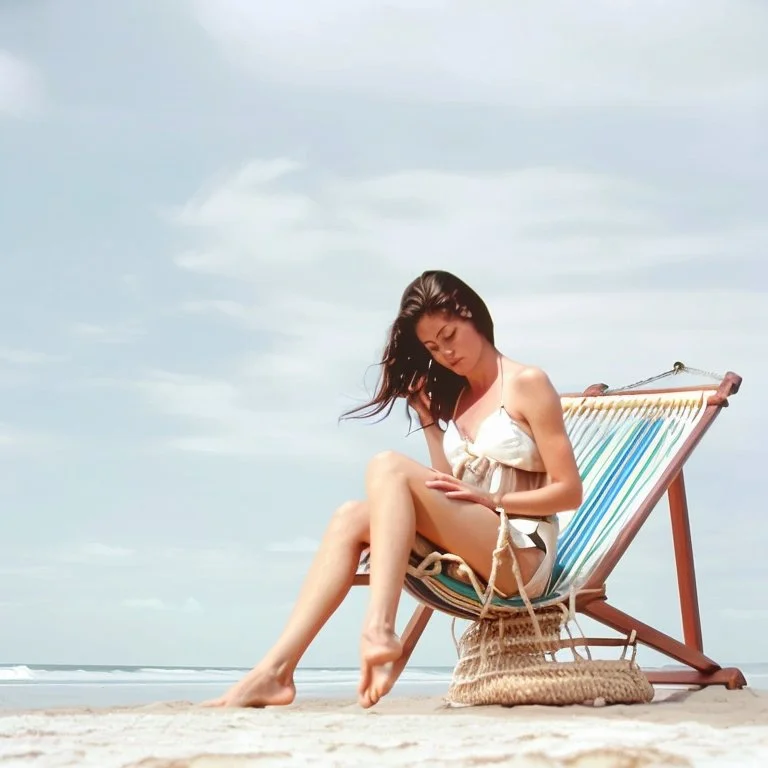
pixel 483 375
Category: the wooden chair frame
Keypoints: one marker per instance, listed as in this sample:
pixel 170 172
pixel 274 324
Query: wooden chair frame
pixel 700 670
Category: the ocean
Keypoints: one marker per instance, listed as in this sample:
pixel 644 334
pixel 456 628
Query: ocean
pixel 35 686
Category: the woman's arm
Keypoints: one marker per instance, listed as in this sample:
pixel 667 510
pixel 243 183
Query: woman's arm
pixel 538 401
pixel 420 402
pixel 434 437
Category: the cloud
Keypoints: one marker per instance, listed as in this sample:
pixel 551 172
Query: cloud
pixel 574 266
pixel 102 550
pixel 232 564
pixel 107 570
pixel 190 605
pixel 94 553
pixel 269 222
pixel 20 87
pixel 251 317
pixel 24 441
pixel 523 54
pixel 52 563
pixel 151 603
pixel 122 333
pixel 32 570
pixel 19 367
pixel 228 415
pixel 27 357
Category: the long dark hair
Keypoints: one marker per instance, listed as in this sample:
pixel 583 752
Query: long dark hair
pixel 406 360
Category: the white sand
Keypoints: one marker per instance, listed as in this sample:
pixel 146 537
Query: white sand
pixel 706 728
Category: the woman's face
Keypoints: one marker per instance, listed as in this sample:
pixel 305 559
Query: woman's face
pixel 451 340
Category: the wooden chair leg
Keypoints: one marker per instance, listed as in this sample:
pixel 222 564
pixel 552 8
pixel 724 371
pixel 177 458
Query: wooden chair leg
pixel 686 572
pixel 730 677
pixel 624 623
pixel 413 631
pixel 704 670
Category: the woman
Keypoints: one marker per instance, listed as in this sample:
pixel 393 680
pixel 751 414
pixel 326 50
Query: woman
pixel 504 446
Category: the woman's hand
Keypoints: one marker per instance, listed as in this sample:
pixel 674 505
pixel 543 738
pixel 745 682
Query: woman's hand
pixel 460 491
pixel 419 400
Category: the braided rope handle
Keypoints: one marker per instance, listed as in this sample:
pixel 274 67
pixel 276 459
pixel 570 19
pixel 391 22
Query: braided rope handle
pixel 503 545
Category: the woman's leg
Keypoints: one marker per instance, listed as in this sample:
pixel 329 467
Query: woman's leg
pixel 326 585
pixel 401 504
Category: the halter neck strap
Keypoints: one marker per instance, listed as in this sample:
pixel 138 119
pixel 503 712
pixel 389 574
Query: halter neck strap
pixel 501 372
pixel 501 394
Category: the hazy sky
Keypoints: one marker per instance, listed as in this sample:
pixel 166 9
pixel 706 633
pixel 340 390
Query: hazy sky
pixel 209 211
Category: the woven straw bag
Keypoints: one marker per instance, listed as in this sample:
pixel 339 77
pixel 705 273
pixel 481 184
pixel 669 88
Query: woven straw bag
pixel 510 660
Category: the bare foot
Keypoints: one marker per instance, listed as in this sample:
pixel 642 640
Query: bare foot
pixel 382 681
pixel 378 650
pixel 259 688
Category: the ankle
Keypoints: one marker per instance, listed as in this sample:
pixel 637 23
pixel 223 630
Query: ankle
pixel 379 627
pixel 278 669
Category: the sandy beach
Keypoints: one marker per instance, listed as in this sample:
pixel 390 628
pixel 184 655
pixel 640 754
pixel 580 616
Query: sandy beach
pixel 711 727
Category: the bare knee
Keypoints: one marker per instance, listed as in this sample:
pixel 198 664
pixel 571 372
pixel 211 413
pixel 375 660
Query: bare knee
pixel 387 465
pixel 351 521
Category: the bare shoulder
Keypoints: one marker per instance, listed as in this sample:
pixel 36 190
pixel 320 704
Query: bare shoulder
pixel 529 395
pixel 531 377
pixel 528 381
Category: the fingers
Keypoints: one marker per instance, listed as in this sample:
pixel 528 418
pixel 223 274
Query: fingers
pixel 446 479
pixel 454 491
pixel 463 496
pixel 442 485
pixel 417 383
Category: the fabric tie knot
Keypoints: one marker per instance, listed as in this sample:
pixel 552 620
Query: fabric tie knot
pixel 476 463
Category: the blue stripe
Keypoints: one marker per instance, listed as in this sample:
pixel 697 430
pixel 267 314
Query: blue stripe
pixel 601 488
pixel 591 514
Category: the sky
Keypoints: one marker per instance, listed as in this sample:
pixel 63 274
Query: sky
pixel 210 210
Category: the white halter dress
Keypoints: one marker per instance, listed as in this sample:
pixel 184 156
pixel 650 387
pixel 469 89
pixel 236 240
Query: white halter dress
pixel 504 458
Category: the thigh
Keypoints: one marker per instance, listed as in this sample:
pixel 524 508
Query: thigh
pixel 462 528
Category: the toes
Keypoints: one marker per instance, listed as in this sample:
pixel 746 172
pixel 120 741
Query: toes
pixel 366 674
pixel 365 688
pixel 376 693
pixel 373 697
pixel 364 697
pixel 377 686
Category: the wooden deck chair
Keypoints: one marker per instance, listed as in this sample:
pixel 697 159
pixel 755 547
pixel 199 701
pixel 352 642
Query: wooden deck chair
pixel 630 445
